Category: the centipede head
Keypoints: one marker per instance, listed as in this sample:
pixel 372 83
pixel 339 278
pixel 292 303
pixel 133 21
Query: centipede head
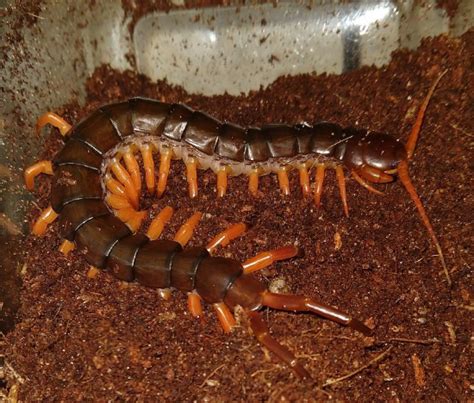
pixel 374 156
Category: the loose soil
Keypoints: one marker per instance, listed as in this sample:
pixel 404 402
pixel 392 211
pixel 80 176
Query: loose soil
pixel 79 338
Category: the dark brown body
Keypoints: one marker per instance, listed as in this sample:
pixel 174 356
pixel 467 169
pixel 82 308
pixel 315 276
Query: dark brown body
pixel 77 192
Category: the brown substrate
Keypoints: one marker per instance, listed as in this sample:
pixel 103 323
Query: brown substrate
pixel 80 338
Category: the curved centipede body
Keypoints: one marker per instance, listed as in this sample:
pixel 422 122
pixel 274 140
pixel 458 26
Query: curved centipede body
pixel 97 183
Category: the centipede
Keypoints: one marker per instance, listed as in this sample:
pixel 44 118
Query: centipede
pixel 97 182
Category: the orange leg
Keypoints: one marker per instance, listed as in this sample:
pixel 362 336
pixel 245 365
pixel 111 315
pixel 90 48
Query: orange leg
pixel 194 304
pixel 222 181
pixel 47 216
pixel 374 175
pixel 124 177
pixel 66 247
pixel 341 181
pixel 114 186
pixel 133 169
pixel 284 181
pixel 406 181
pixel 136 221
pixel 304 180
pixel 164 170
pixel 415 131
pixel 185 233
pixel 363 182
pixel 54 120
pixel 224 237
pixel 191 175
pixel 158 224
pixel 149 166
pixel 265 259
pixel 117 202
pixel 300 303
pixel 318 191
pixel 262 333
pixel 253 182
pixel 125 214
pixel 41 167
pixel 225 316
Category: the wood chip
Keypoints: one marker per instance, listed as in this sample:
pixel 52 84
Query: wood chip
pixel 419 371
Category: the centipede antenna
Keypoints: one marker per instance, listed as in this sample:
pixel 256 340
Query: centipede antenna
pixel 415 131
pixel 405 179
pixel 262 333
pixel 265 259
pixel 365 184
pixel 54 120
pixel 133 169
pixel 149 166
pixel 41 167
pixel 341 181
pixel 47 216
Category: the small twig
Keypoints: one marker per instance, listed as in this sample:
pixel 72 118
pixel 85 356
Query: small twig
pixel 210 375
pixel 353 373
pixel 263 371
pixel 36 16
pixel 411 341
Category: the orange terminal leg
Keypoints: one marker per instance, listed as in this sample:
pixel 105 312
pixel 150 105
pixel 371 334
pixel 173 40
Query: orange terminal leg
pixel 125 214
pixel 265 259
pixel 318 191
pixel 253 182
pixel 158 224
pixel 66 247
pixel 47 216
pixel 300 303
pixel 222 182
pixel 163 171
pixel 365 184
pixel 341 181
pixel 54 120
pixel 224 237
pixel 405 179
pixel 284 181
pixel 185 233
pixel 262 333
pixel 124 177
pixel 149 166
pixel 304 180
pixel 225 316
pixel 41 167
pixel 133 169
pixel 194 304
pixel 191 175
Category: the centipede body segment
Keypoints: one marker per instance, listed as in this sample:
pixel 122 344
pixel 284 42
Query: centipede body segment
pixel 97 182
